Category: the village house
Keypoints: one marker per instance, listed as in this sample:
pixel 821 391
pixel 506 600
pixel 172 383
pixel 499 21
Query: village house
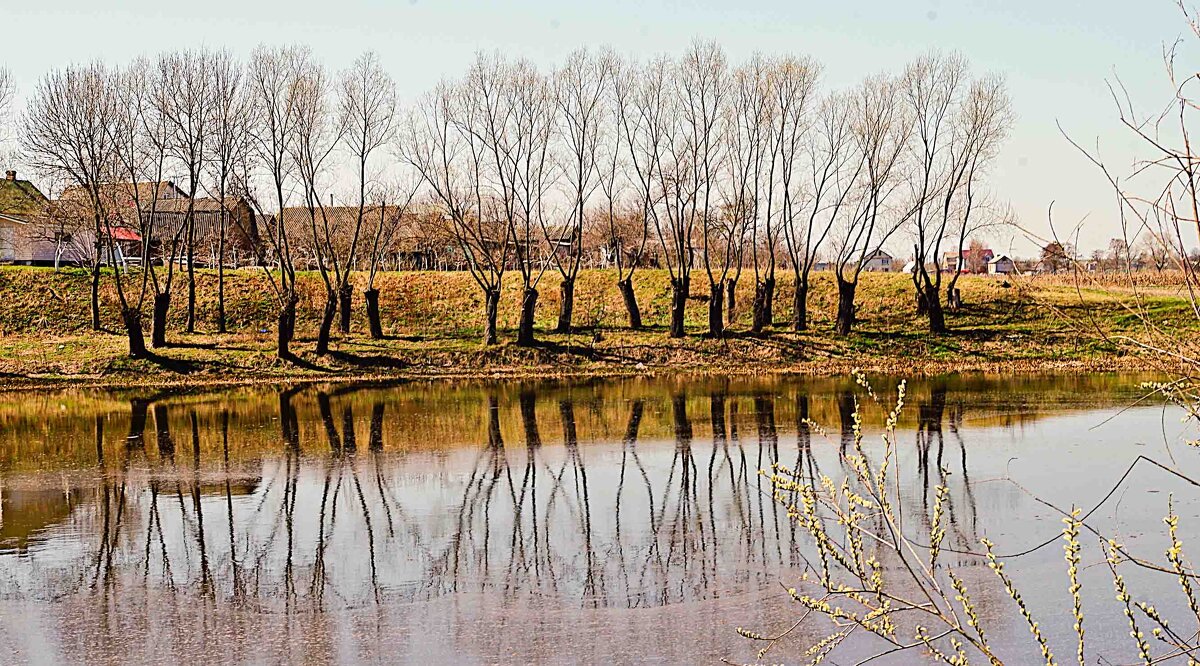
pixel 29 233
pixel 1001 265
pixel 419 240
pixel 133 206
pixel 972 260
pixel 879 262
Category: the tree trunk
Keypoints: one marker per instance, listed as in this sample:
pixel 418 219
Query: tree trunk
pixel 566 305
pixel 345 295
pixel 769 302
pixel 491 305
pixel 96 297
pixel 758 309
pixel 327 315
pixel 373 321
pixel 631 304
pixel 132 317
pixel 528 307
pixel 287 328
pixel 679 295
pixel 158 320
pixel 221 294
pixel 845 310
pixel 191 302
pixel 730 299
pixel 716 310
pixel 800 305
pixel 933 307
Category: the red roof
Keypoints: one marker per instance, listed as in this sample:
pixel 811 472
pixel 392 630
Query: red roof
pixel 123 234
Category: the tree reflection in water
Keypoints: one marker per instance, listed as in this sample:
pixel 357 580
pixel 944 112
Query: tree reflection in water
pixel 592 497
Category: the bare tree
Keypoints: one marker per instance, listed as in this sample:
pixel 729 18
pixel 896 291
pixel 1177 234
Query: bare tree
pixel 659 159
pixel 507 109
pixel 318 130
pixel 746 199
pixel 983 123
pixel 881 129
pixel 273 80
pixel 68 132
pixel 811 208
pixel 450 161
pixel 185 101
pixel 930 88
pixel 390 213
pixel 958 124
pixel 8 91
pixel 703 86
pixel 141 137
pixel 230 114
pixel 368 109
pixel 580 88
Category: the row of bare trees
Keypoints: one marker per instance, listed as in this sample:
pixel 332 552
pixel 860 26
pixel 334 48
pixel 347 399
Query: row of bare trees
pixel 726 167
pixel 120 140
pixel 729 169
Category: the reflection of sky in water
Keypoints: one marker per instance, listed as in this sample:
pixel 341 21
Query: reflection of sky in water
pixel 651 536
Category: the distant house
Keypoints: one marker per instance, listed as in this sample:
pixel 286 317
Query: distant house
pixel 879 262
pixel 1000 265
pixel 136 205
pixel 967 262
pixel 26 237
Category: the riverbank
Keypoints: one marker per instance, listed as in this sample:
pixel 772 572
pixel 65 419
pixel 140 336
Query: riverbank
pixel 434 323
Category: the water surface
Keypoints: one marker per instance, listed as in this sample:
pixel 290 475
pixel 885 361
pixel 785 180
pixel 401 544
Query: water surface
pixel 571 522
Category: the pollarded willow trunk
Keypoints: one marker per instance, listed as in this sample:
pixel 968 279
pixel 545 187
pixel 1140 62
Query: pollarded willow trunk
pixel 96 297
pixel 566 305
pixel 769 302
pixel 845 310
pixel 716 310
pixel 933 309
pixel 730 299
pixel 327 316
pixel 345 298
pixel 132 318
pixel 758 308
pixel 374 323
pixel 631 304
pixel 679 296
pixel 221 294
pixel 286 327
pixel 191 270
pixel 800 305
pixel 158 319
pixel 528 308
pixel 491 306
pixel 922 307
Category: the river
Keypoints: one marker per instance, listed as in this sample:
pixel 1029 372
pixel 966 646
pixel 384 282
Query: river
pixel 606 521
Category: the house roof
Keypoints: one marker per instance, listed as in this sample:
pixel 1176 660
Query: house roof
pixel 968 252
pixel 123 234
pixel 20 198
pixel 143 190
pixel 202 205
pixel 998 258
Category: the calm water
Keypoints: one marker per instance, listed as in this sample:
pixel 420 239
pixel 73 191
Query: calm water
pixel 598 522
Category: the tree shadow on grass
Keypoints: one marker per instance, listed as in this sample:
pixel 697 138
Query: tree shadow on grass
pixel 582 351
pixel 303 363
pixel 192 345
pixel 176 365
pixel 373 361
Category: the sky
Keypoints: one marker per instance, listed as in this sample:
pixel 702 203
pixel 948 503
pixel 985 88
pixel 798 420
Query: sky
pixel 1058 58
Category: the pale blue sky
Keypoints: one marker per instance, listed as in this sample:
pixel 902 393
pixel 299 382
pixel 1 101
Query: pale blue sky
pixel 1055 54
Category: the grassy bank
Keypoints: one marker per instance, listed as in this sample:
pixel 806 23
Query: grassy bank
pixel 434 323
